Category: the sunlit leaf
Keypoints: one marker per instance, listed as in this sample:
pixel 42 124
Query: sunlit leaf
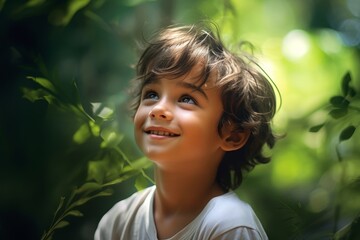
pixel 82 134
pixel 339 101
pixel 37 94
pixel 345 83
pixel 88 187
pixel 141 182
pixel 347 133
pixel 338 113
pixel 95 129
pixel 102 111
pixel 111 138
pixel 142 162
pixel 97 171
pixel 82 201
pixel 45 83
pixel 105 169
pixel 124 176
pixel 316 128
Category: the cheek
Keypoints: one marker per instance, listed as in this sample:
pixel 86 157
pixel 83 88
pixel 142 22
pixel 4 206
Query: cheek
pixel 138 123
pixel 139 117
pixel 202 124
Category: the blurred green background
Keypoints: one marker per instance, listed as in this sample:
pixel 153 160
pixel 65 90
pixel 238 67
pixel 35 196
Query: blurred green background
pixel 65 68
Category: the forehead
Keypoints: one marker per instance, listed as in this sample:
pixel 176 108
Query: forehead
pixel 198 76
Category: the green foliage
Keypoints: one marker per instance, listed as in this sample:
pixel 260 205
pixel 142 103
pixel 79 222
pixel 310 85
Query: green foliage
pixel 345 106
pixel 344 111
pixel 111 169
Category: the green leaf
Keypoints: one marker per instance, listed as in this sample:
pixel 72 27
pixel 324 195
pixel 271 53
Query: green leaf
pixel 95 129
pixel 82 134
pixel 64 17
pixel 61 203
pixel 141 163
pixel 316 128
pixel 141 182
pixel 352 92
pixel 45 83
pixel 121 179
pixel 74 213
pixel 88 187
pixel 82 201
pixel 345 83
pixel 97 170
pixel 61 224
pixel 347 133
pixel 111 138
pixel 339 102
pixel 100 110
pixel 338 113
pixel 38 94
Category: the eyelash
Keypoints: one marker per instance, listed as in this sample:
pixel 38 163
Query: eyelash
pixel 190 99
pixel 147 94
pixel 151 94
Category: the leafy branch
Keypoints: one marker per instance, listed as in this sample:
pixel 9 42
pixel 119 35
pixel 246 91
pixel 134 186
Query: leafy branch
pixel 111 167
pixel 344 110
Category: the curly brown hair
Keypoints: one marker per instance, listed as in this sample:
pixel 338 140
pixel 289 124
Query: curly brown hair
pixel 248 96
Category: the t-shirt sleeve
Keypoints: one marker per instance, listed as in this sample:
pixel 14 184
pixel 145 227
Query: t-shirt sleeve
pixel 242 233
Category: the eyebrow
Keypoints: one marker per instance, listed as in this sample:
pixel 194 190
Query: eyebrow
pixel 193 87
pixel 183 84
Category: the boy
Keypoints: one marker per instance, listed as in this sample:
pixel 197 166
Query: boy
pixel 202 115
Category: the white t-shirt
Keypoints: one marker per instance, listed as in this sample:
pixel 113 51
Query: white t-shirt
pixel 224 217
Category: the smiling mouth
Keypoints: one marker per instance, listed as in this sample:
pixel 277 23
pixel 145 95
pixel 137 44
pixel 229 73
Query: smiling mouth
pixel 162 133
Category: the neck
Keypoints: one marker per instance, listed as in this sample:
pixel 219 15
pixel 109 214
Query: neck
pixel 184 191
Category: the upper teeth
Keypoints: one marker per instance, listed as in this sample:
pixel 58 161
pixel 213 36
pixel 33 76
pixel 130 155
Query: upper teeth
pixel 162 133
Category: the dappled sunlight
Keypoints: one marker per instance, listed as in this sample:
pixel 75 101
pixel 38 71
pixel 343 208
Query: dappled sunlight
pixel 296 45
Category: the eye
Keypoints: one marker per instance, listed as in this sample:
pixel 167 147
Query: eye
pixel 150 95
pixel 187 99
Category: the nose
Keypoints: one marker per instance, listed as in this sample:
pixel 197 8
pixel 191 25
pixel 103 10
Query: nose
pixel 161 112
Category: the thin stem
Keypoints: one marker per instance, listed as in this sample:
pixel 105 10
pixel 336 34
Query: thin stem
pixel 130 163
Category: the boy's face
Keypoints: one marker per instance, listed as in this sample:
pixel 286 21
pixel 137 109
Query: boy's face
pixel 177 121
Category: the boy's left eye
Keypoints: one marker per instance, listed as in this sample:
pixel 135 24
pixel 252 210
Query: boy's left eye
pixel 188 100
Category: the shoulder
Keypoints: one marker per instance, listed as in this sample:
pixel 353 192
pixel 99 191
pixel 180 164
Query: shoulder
pixel 121 214
pixel 130 204
pixel 229 216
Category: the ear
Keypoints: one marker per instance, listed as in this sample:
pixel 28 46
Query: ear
pixel 233 139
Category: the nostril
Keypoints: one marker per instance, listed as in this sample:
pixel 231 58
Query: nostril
pixel 162 114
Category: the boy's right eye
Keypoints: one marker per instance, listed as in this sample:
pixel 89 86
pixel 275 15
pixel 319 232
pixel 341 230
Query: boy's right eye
pixel 150 95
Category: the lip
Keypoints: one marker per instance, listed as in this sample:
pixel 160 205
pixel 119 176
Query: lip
pixel 160 132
